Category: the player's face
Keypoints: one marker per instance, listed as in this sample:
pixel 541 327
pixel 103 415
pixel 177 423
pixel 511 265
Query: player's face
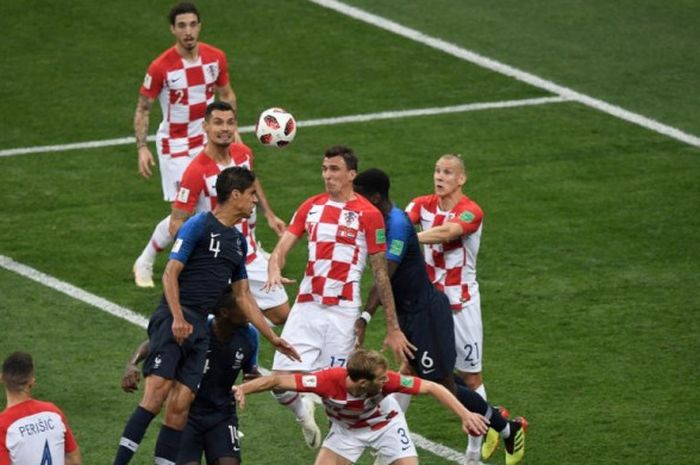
pixel 220 128
pixel 247 200
pixel 336 175
pixel 234 315
pixel 380 379
pixel 448 177
pixel 186 30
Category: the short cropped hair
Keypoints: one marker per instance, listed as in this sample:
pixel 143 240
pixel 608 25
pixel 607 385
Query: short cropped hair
pixel 180 9
pixel 363 364
pixel 345 152
pixel 455 157
pixel 217 106
pixel 372 181
pixel 233 178
pixel 17 371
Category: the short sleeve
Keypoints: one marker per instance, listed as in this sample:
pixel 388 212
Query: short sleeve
pixel 222 79
pixel 191 186
pixel 469 219
pixel 401 383
pixel 297 225
pixel 413 210
pixel 153 81
pixel 373 225
pixel 187 237
pixel 399 230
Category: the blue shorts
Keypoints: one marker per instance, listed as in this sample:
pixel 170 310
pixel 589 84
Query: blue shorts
pixel 431 330
pixel 213 432
pixel 170 360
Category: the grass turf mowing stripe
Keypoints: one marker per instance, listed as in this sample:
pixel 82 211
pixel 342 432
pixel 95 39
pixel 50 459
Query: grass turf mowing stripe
pixel 507 70
pixel 308 123
pixel 139 320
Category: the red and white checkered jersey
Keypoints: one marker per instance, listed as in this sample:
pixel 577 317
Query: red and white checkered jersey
pixel 184 89
pixel 340 236
pixel 197 190
pixel 34 432
pixel 451 266
pixel 355 412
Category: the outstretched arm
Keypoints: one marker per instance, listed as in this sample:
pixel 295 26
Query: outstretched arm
pixel 264 383
pixel 246 302
pixel 277 260
pixel 472 423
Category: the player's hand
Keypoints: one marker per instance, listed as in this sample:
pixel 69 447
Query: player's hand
pixel 286 348
pixel 475 424
pixel 360 327
pixel 397 342
pixel 146 161
pixel 239 395
pixel 274 278
pixel 181 330
pixel 130 378
pixel 276 223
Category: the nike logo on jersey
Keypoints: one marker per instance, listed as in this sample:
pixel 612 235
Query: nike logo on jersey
pixel 215 235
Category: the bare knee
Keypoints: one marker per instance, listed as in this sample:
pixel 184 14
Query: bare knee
pixel 155 392
pixel 178 407
pixel 278 315
pixel 472 380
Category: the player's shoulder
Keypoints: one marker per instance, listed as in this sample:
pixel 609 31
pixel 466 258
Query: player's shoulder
pixel 208 51
pixel 398 218
pixel 240 153
pixel 169 58
pixel 364 206
pixel 26 408
pixel 429 202
pixel 318 199
pixel 466 204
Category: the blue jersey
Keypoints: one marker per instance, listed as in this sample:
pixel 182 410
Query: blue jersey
pixel 225 359
pixel 214 257
pixel 410 283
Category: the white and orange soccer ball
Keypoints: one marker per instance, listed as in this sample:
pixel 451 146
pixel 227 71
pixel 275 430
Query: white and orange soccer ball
pixel 275 127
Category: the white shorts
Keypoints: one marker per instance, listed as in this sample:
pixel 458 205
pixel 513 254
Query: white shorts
pixel 393 442
pixel 171 170
pixel 469 336
pixel 257 275
pixel 324 336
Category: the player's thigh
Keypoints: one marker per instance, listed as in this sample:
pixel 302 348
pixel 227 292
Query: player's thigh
pixel 469 335
pixel 341 446
pixel 191 444
pixel 339 339
pixel 432 332
pixel 394 442
pixel 191 368
pixel 171 169
pixel 164 353
pixel 222 441
pixel 304 330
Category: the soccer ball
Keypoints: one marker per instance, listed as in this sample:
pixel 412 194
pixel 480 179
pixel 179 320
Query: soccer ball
pixel 276 127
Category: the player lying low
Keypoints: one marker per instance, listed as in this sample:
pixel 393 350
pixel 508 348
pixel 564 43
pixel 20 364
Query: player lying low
pixel 361 414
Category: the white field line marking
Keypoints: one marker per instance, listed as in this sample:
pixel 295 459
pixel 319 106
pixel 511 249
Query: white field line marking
pixel 74 292
pixel 139 320
pixel 308 123
pixel 507 70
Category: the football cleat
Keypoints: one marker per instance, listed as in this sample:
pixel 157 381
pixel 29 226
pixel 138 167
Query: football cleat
pixel 312 433
pixel 515 443
pixel 143 273
pixel 493 437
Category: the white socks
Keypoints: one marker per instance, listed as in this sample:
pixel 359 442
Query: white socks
pixel 475 441
pixel 160 240
pixel 292 400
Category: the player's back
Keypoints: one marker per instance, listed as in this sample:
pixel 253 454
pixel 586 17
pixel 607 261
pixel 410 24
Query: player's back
pixel 214 256
pixel 410 282
pixel 225 360
pixel 35 432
